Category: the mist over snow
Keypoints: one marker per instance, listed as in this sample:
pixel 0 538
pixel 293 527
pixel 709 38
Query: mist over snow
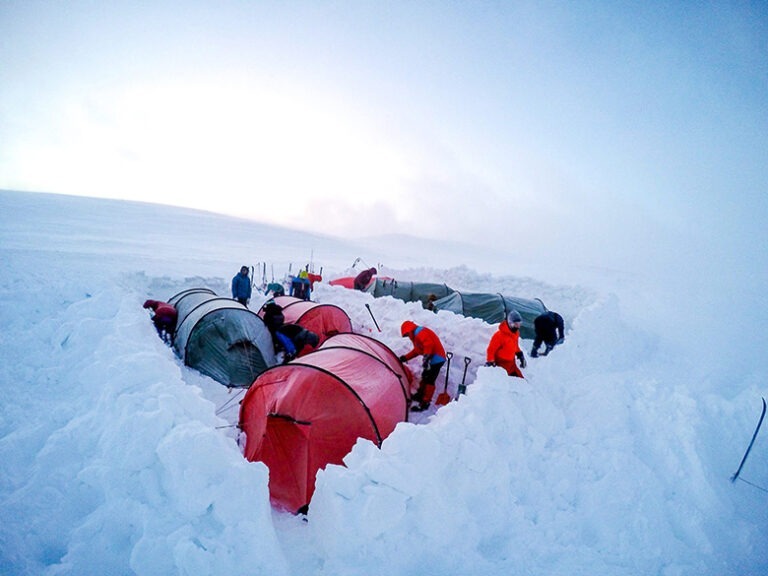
pixel 613 456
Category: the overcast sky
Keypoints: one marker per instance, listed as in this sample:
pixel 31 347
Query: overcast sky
pixel 576 125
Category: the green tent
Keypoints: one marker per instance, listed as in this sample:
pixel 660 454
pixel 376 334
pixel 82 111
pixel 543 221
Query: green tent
pixel 493 308
pixel 221 338
pixel 408 291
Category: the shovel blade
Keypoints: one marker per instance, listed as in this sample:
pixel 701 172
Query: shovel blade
pixel 442 399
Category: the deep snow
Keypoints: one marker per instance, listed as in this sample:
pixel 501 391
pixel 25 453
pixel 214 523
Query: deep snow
pixel 613 456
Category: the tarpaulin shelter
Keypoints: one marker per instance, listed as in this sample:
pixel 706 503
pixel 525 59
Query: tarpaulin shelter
pixel 221 338
pixel 299 417
pixel 325 320
pixel 493 308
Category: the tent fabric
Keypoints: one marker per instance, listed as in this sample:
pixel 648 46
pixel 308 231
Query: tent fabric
pixel 221 338
pixel 325 320
pixel 409 291
pixel 493 308
pixel 299 417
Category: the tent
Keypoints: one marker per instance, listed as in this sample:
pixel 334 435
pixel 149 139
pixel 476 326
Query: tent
pixel 299 417
pixel 406 291
pixel 409 291
pixel 221 338
pixel 325 320
pixel 493 308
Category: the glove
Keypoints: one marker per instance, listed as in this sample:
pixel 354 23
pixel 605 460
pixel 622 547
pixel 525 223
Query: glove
pixel 521 358
pixel 402 359
pixel 490 363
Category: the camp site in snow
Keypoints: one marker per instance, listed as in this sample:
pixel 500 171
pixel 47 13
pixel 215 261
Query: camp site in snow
pixel 126 450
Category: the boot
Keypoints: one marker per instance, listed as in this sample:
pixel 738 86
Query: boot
pixel 426 393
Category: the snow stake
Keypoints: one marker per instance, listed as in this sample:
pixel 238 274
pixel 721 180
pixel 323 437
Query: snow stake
pixel 443 398
pixel 759 423
pixel 463 386
pixel 372 318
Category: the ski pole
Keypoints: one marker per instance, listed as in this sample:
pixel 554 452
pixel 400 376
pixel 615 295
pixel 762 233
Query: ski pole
pixel 374 319
pixel 759 423
pixel 463 386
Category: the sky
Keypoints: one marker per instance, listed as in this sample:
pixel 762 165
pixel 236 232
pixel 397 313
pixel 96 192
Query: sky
pixel 568 127
pixel 613 456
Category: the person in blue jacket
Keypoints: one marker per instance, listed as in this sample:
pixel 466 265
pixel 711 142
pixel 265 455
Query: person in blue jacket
pixel 241 286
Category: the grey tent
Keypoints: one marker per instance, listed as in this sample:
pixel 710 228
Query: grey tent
pixel 493 308
pixel 408 291
pixel 221 338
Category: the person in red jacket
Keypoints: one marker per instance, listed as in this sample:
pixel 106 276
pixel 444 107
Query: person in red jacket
pixel 426 344
pixel 164 319
pixel 504 346
pixel 364 278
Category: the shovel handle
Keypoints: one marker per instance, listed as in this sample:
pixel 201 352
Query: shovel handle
pixel 372 316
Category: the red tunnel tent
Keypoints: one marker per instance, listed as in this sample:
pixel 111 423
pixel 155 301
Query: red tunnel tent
pixel 301 416
pixel 325 320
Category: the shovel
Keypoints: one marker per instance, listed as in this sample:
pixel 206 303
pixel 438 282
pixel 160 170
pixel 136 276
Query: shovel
pixel 463 386
pixel 443 398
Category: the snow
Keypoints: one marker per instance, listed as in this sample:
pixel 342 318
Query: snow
pixel 613 456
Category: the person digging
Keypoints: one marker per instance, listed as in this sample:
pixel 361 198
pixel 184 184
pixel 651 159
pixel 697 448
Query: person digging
pixel 426 344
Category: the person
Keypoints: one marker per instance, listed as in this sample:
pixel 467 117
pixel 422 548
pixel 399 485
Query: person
pixel 431 302
pixel 164 318
pixel 273 319
pixel 426 344
pixel 504 346
pixel 292 339
pixel 550 331
pixel 364 278
pixel 241 286
pixel 300 286
pixel 276 289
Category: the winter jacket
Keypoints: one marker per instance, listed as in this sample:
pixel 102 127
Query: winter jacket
pixel 165 315
pixel 503 348
pixel 303 340
pixel 549 328
pixel 364 278
pixel 425 342
pixel 273 317
pixel 300 288
pixel 241 287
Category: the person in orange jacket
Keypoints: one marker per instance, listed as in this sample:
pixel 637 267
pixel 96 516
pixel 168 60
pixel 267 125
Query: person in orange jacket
pixel 504 346
pixel 426 344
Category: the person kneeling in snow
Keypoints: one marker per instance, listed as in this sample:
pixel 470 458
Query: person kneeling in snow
pixel 293 339
pixel 164 319
pixel 504 346
pixel 549 330
pixel 426 343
